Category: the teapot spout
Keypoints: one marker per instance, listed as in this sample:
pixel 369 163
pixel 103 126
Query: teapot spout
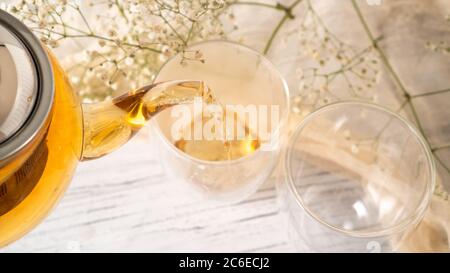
pixel 111 123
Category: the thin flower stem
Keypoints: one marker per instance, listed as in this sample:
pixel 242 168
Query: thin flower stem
pixel 380 51
pixel 121 10
pixel 441 147
pixel 431 93
pixel 287 15
pixel 191 29
pixel 391 119
pixel 324 26
pixel 386 61
pixel 77 8
pixel 416 116
pixel 395 76
pixel 274 33
pixel 173 29
pixel 350 63
pixel 278 6
pixel 249 3
pixel 442 163
pixel 102 38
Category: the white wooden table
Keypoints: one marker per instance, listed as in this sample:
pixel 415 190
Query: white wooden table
pixel 125 202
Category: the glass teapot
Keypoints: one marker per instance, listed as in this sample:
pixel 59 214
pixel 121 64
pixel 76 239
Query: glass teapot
pixel 45 131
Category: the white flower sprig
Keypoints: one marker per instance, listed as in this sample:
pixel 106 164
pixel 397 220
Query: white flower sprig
pixel 332 60
pixel 132 39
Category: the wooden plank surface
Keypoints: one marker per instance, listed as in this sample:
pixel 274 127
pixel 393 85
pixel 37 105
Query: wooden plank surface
pixel 125 202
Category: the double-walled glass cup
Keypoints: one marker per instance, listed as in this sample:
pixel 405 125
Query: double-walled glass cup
pixel 356 178
pixel 240 77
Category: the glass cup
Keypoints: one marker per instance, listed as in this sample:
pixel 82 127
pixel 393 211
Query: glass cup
pixel 356 178
pixel 238 76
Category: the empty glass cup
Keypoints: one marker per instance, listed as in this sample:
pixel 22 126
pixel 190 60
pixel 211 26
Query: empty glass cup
pixel 356 178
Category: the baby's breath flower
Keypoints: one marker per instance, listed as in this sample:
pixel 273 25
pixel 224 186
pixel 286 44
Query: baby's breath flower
pixel 132 39
pixel 333 63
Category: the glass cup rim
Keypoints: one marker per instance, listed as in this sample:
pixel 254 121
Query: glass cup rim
pixel 412 219
pixel 278 131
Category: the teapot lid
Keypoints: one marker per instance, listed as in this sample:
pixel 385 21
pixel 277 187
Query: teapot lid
pixel 26 86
